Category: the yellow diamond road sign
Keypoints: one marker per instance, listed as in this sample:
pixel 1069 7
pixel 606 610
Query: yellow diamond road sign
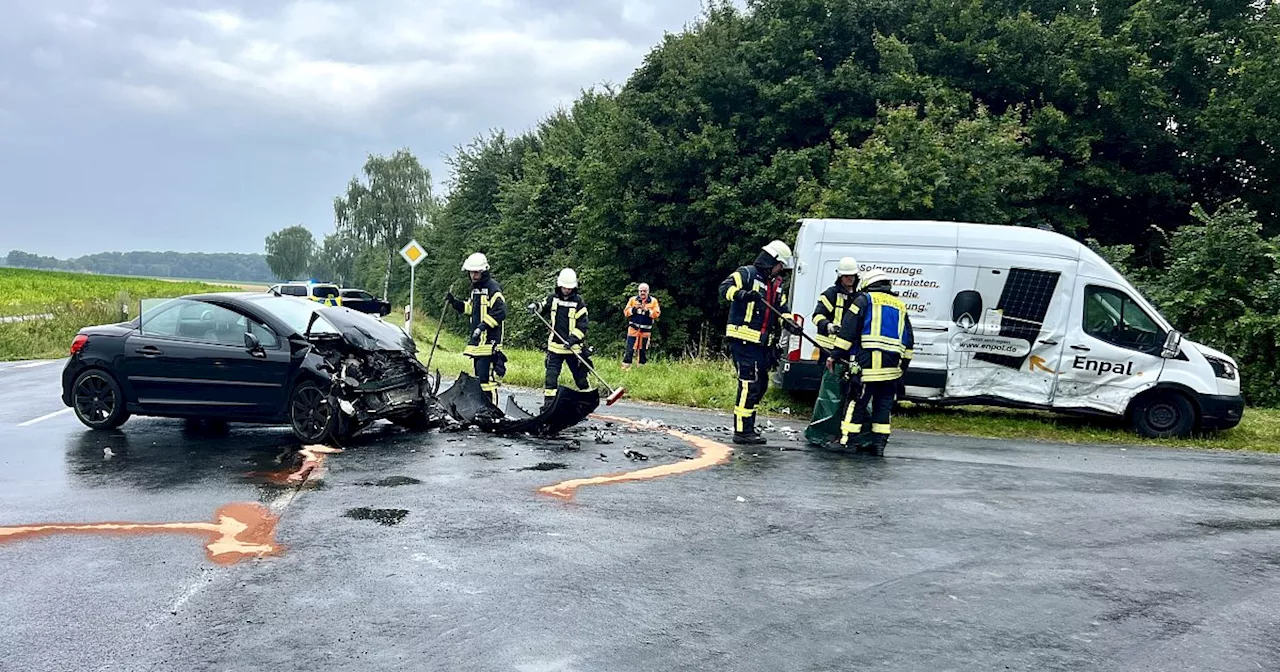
pixel 413 253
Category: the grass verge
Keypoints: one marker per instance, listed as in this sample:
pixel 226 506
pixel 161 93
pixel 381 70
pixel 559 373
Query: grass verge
pixel 709 383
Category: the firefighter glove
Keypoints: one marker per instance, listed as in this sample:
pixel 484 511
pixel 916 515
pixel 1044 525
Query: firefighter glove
pixel 747 295
pixel 532 308
pixel 475 335
pixel 791 326
pixel 832 328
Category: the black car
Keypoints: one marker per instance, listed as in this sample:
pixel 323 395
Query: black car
pixel 358 299
pixel 248 357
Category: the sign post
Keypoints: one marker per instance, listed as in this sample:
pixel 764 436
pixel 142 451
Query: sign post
pixel 412 253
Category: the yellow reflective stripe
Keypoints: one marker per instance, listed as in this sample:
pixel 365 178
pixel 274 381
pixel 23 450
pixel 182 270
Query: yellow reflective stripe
pixel 742 333
pixel 578 315
pixel 489 320
pixel 549 392
pixel 482 350
pixel 496 297
pixel 825 302
pixel 751 311
pixel 488 387
pixel 906 354
pixel 878 375
pixel 876 316
pixel 741 412
pixel 877 428
pixel 826 342
pixel 466 308
pixel 842 343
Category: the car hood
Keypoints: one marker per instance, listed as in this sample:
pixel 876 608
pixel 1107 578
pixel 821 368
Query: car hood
pixel 368 333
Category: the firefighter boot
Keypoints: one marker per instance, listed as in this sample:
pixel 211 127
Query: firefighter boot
pixel 748 436
pixel 876 444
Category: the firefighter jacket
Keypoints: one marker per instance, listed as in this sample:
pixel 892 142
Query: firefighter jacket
pixel 641 314
pixel 750 320
pixel 568 317
pixel 877 335
pixel 487 309
pixel 833 305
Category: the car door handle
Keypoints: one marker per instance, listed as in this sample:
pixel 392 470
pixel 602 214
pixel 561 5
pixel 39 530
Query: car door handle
pixel 1048 342
pixel 149 351
pixel 1083 348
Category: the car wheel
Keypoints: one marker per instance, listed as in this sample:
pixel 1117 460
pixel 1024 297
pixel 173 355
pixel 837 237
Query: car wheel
pixel 98 400
pixel 310 413
pixel 1163 415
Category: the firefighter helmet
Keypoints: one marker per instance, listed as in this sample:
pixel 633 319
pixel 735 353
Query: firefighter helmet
pixel 476 262
pixel 568 279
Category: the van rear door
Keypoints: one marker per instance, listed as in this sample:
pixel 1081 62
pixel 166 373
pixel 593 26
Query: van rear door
pixel 1008 324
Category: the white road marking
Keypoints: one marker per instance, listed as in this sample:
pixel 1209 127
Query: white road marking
pixel 33 365
pixel 44 417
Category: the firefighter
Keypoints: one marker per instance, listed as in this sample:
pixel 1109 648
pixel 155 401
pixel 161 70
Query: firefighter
pixel 641 311
pixel 567 313
pixel 876 340
pixel 487 310
pixel 832 305
pixel 752 331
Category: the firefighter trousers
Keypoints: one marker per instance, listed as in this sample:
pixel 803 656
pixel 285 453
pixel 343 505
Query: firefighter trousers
pixel 874 404
pixel 486 373
pixel 752 362
pixel 555 362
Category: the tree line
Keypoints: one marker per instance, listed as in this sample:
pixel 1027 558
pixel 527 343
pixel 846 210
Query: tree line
pixel 192 265
pixel 1146 128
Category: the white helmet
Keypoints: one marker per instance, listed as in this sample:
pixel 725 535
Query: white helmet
pixel 847 266
pixel 476 262
pixel 568 279
pixel 871 277
pixel 780 251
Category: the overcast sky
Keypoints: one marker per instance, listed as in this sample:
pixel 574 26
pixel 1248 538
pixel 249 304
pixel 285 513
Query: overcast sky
pixel 203 125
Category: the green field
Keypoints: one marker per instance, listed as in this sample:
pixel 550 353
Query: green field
pixel 709 383
pixel 73 300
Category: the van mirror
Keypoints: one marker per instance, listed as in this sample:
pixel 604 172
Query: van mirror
pixel 1172 344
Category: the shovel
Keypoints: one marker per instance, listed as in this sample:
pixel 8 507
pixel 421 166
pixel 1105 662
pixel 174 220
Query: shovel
pixel 439 326
pixel 614 394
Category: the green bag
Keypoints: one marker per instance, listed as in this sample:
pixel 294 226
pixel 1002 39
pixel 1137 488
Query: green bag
pixel 825 424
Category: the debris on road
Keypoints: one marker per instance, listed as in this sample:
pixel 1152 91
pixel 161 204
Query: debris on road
pixel 634 455
pixel 386 517
pixel 602 438
pixel 741 498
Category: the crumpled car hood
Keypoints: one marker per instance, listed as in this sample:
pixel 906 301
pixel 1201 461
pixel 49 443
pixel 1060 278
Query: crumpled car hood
pixel 368 333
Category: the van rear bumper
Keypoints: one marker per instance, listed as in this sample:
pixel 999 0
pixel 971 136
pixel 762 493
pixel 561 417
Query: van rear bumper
pixel 1220 411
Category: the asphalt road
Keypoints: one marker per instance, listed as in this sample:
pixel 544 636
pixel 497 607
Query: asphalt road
pixel 437 551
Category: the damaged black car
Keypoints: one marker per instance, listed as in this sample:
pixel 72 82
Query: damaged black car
pixel 327 372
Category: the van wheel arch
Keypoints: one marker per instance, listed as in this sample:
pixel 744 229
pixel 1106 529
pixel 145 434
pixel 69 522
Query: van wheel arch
pixel 1164 411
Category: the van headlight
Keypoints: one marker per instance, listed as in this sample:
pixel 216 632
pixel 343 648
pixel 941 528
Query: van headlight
pixel 1222 368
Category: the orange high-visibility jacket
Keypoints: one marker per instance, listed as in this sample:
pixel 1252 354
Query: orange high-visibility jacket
pixel 640 315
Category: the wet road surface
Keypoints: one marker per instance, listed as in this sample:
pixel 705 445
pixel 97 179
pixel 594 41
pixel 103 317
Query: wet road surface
pixel 437 551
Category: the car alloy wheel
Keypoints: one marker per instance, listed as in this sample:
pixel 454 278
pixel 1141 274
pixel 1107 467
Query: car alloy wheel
pixel 310 413
pixel 97 401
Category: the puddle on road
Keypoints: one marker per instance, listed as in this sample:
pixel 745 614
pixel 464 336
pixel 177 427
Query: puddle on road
pixel 393 482
pixel 710 453
pixel 240 531
pixel 381 516
pixel 546 466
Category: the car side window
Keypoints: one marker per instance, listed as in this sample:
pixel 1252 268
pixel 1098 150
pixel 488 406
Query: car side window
pixel 1113 316
pixel 265 335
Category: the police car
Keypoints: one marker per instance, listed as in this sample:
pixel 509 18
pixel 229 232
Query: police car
pixel 320 292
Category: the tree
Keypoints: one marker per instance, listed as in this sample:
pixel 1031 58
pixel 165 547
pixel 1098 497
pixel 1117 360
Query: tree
pixel 384 210
pixel 335 261
pixel 289 252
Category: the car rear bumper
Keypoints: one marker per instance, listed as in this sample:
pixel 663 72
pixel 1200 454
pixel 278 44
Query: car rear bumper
pixel 1219 411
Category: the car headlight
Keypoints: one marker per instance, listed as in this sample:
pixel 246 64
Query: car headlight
pixel 1222 368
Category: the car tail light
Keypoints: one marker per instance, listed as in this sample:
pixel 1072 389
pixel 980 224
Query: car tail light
pixel 793 354
pixel 78 344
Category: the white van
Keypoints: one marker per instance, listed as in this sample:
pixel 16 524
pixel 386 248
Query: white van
pixel 1018 317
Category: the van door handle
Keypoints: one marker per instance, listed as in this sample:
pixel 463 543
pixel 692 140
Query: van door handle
pixel 1080 347
pixel 1049 342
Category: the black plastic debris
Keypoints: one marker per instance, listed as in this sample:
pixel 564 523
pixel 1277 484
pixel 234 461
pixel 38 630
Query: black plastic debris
pixel 631 454
pixel 468 404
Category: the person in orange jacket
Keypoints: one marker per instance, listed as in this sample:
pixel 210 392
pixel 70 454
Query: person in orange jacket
pixel 641 311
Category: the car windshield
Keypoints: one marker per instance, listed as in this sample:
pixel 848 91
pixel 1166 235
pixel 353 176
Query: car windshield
pixel 296 313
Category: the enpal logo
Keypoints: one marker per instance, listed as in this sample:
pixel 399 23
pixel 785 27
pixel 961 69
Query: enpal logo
pixel 1100 367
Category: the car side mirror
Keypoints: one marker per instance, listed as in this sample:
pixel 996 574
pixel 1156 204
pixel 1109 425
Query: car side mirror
pixel 1172 345
pixel 253 345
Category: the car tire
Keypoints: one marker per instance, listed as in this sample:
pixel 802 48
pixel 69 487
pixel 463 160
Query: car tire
pixel 1163 415
pixel 311 415
pixel 98 400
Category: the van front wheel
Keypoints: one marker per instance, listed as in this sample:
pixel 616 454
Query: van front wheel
pixel 1163 415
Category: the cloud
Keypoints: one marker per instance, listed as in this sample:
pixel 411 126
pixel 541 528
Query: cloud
pixel 205 124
